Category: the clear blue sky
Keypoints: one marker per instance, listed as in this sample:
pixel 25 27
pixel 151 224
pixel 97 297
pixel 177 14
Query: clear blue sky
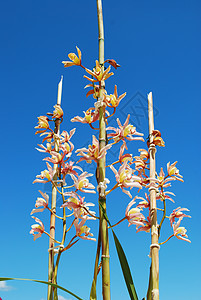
pixel 158 45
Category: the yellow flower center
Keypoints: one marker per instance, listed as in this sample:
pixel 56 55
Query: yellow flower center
pixel 88 116
pixel 67 147
pixel 127 130
pixel 134 211
pixel 74 58
pixel 82 183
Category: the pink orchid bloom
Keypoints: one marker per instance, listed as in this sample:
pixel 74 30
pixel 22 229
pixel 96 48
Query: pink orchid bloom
pixel 177 213
pixel 82 183
pixel 124 132
pixel 173 171
pixel 125 178
pixel 140 164
pixel 98 74
pixel 146 227
pixel 144 203
pixel 163 181
pixel 67 148
pixel 83 229
pixel 46 149
pixel 144 154
pixel 48 174
pixel 81 208
pixel 65 137
pixel 90 117
pixel 68 168
pixel 41 202
pixel 180 232
pixel 124 157
pixel 133 215
pixel 37 229
pixel 113 100
pixel 49 136
pixel 93 152
pixel 160 196
pixel 57 158
pixel 58 112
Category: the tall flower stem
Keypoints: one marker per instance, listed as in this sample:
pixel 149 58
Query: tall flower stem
pixel 60 250
pixel 153 291
pixel 53 204
pixel 101 166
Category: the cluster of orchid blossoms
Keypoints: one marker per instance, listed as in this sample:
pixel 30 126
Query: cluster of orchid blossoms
pixel 60 149
pixel 126 176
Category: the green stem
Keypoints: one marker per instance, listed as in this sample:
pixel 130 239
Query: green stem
pixel 53 204
pixel 93 287
pixel 62 242
pixel 154 275
pixel 101 165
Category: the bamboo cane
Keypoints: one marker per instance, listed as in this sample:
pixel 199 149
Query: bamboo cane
pixel 154 270
pixel 53 204
pixel 101 166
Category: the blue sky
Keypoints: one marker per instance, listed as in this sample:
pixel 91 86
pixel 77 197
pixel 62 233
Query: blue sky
pixel 158 45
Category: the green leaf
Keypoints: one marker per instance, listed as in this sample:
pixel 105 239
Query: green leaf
pixel 125 269
pixel 93 291
pixel 42 281
pixel 123 261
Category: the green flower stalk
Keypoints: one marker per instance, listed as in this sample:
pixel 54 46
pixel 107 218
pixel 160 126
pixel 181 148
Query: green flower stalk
pixel 53 204
pixel 101 165
pixel 153 291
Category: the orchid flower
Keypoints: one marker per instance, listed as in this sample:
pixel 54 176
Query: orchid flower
pixel 75 61
pixel 81 208
pixel 144 203
pixel 46 149
pixel 177 213
pixel 98 74
pixel 42 124
pixel 49 136
pixel 65 137
pixel 146 227
pixel 94 91
pixel 157 139
pixel 124 132
pixel 81 183
pixel 57 158
pixel 68 168
pixel 113 100
pixel 162 196
pixel 180 232
pixel 133 215
pixel 144 154
pixel 93 152
pixel 83 229
pixel 41 202
pixel 124 157
pixel 67 148
pixel 58 112
pixel 37 229
pixel 48 174
pixel 125 179
pixel 173 171
pixel 90 117
pixel 112 62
